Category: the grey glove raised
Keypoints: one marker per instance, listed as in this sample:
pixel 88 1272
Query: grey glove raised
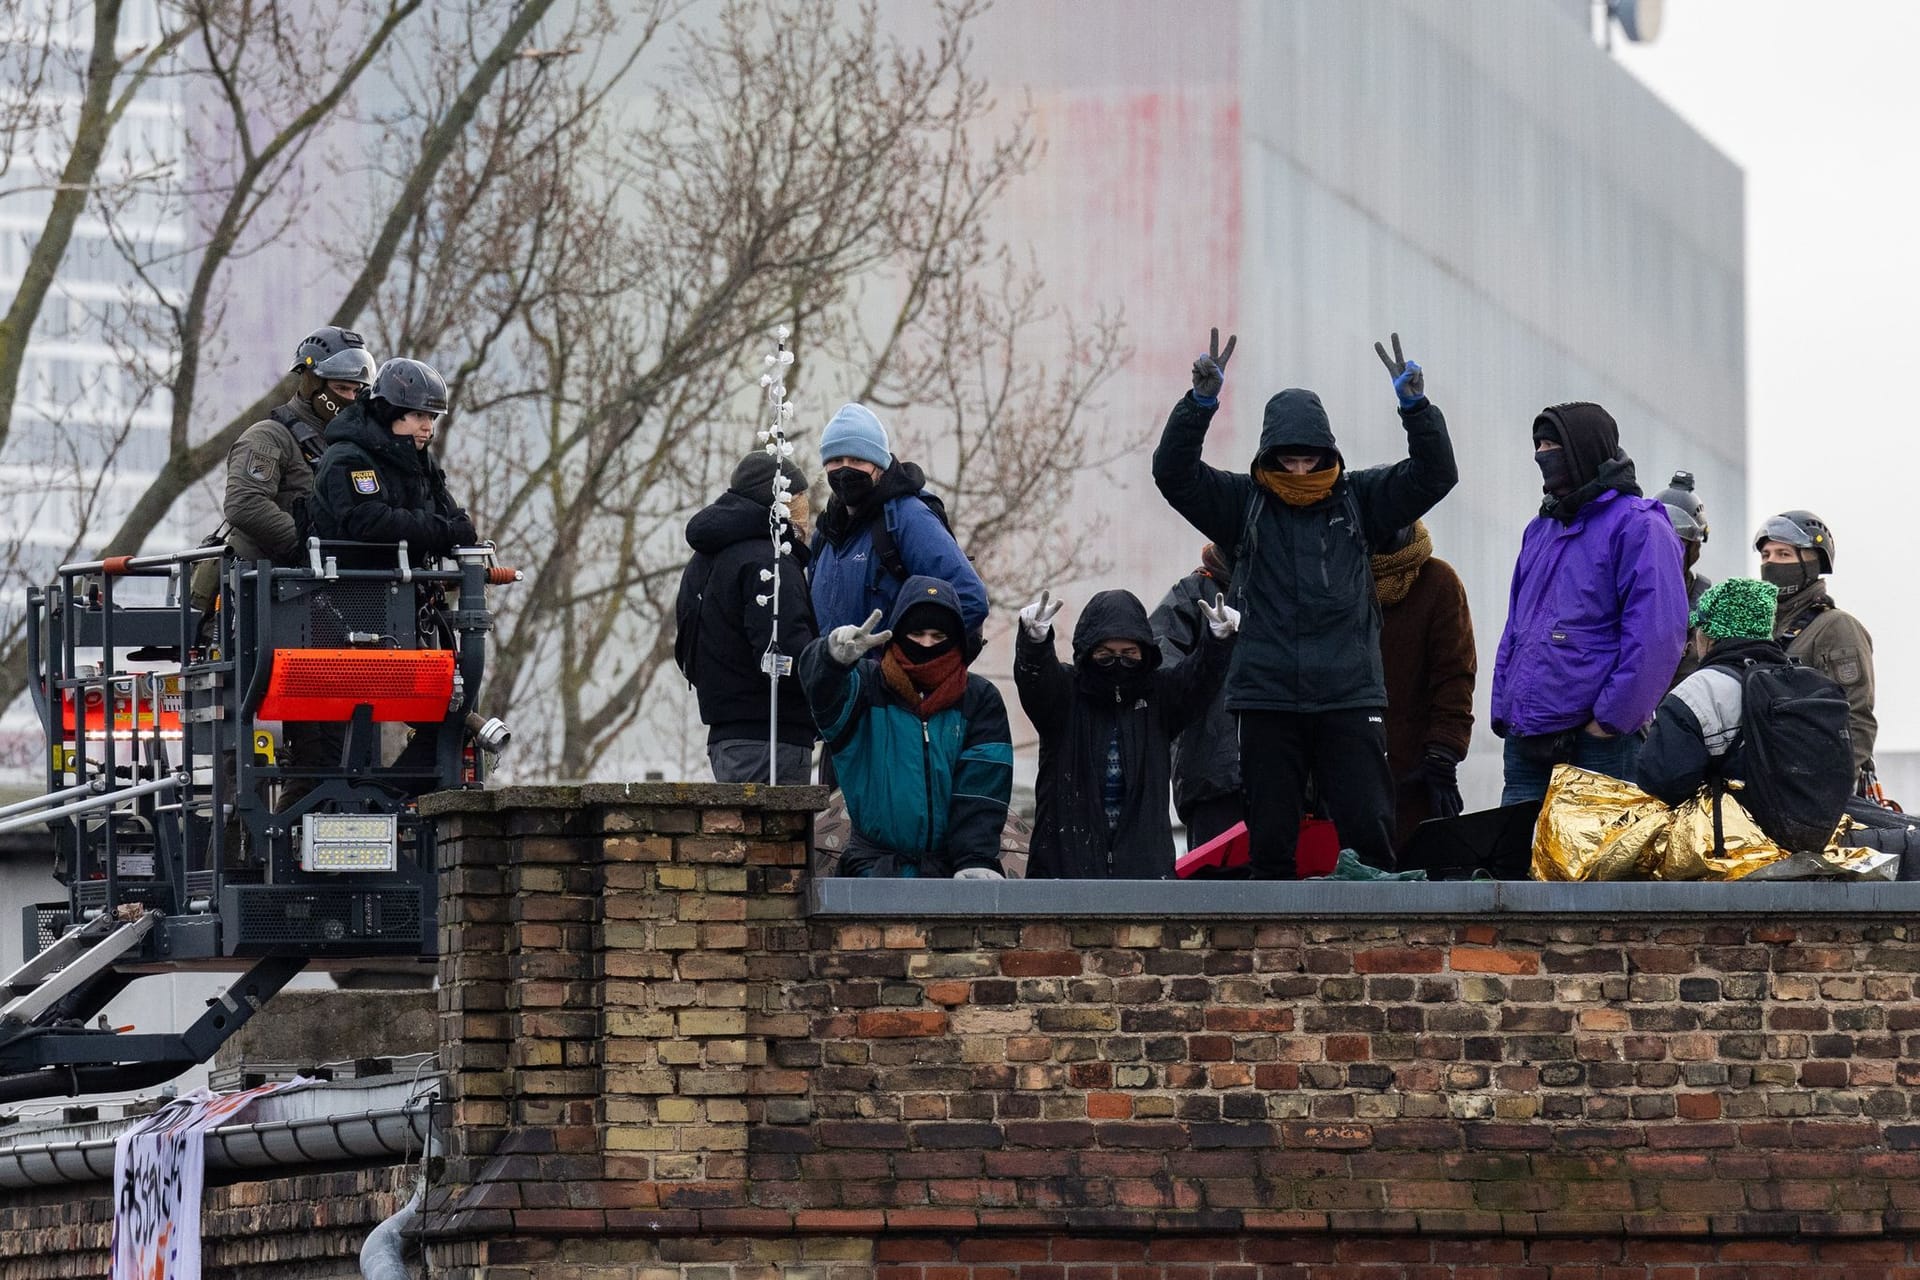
pixel 1210 370
pixel 847 645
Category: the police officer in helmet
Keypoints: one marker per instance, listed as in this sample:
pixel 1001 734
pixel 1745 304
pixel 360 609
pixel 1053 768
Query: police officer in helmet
pixel 379 481
pixel 1688 516
pixel 270 467
pixel 1796 553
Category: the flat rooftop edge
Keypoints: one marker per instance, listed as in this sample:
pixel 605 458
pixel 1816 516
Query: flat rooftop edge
pixel 1242 899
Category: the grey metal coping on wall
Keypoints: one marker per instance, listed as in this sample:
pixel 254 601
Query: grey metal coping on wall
pixel 1244 899
pixel 370 1121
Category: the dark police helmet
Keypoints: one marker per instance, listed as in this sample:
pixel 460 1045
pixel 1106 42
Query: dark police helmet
pixel 1801 529
pixel 1687 512
pixel 335 355
pixel 410 384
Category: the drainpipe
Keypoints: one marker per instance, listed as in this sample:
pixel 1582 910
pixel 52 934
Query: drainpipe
pixel 383 1256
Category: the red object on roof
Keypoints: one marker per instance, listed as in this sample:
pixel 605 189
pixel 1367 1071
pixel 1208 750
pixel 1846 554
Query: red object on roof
pixel 1315 855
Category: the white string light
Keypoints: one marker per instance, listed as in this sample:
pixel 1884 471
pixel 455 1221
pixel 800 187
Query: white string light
pixel 773 439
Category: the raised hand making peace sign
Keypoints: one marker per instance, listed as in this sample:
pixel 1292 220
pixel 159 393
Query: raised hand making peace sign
pixel 1408 382
pixel 1210 370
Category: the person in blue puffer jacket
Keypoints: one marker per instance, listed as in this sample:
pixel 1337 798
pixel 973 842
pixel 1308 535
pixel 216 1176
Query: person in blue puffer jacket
pixel 878 530
pixel 920 746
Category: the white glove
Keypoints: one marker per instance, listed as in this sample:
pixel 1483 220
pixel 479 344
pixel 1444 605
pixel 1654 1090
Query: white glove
pixel 847 645
pixel 1222 618
pixel 980 873
pixel 1037 618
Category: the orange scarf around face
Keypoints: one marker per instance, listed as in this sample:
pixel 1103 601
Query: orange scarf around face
pixel 926 687
pixel 1298 491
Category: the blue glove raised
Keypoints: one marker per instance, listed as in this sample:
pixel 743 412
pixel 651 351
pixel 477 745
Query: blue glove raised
pixel 1409 384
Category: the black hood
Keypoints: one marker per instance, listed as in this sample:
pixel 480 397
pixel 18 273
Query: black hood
pixel 922 590
pixel 731 519
pixel 1115 615
pixel 1296 419
pixel 355 425
pixel 1586 431
pixel 901 480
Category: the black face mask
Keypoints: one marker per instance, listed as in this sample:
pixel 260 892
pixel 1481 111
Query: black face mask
pixel 915 654
pixel 1790 579
pixel 325 404
pixel 1692 550
pixel 850 484
pixel 1555 470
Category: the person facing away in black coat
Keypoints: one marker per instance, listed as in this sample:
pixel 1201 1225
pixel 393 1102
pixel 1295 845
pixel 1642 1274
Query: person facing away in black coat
pixel 724 630
pixel 1107 725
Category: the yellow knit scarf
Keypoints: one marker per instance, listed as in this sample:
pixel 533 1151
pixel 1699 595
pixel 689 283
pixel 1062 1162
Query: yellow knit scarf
pixel 1393 573
pixel 1298 491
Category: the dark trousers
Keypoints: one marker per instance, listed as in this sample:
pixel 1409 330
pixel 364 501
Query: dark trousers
pixel 1345 754
pixel 1214 816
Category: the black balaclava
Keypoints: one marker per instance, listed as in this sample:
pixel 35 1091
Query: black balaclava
pixel 1586 433
pixel 921 617
pixel 1791 579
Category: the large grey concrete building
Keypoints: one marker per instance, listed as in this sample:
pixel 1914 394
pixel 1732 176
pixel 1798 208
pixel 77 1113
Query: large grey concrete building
pixel 1312 174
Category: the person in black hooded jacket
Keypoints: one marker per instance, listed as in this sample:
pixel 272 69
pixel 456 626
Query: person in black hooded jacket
pixel 1206 755
pixel 1306 678
pixel 724 631
pixel 1107 725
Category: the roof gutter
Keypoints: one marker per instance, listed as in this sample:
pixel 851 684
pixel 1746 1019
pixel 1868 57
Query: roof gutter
pixel 392 1132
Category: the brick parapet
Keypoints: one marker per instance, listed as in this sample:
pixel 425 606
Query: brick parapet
pixel 763 1075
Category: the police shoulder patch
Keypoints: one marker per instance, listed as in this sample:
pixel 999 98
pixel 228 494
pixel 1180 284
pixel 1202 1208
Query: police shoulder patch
pixel 366 482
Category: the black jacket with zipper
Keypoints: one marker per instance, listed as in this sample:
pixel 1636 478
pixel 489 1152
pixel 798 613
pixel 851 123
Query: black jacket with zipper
pixel 1077 710
pixel 1206 754
pixel 1303 576
pixel 731 630
pixel 374 486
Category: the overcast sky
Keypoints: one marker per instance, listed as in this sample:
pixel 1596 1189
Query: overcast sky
pixel 1817 103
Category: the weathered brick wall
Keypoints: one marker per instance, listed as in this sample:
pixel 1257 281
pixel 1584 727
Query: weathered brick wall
pixel 661 1068
pixel 307 1227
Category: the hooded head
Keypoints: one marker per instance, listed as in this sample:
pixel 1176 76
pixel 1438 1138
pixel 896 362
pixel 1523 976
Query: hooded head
pixel 1586 432
pixel 925 603
pixel 1737 609
pixel 1120 618
pixel 1295 422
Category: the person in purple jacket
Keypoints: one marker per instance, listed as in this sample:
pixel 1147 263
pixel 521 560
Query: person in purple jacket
pixel 1597 616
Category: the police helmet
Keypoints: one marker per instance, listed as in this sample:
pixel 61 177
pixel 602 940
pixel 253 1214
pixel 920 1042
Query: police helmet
pixel 1801 529
pixel 409 385
pixel 334 355
pixel 1687 512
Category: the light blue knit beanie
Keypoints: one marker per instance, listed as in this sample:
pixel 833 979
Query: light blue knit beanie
pixel 855 433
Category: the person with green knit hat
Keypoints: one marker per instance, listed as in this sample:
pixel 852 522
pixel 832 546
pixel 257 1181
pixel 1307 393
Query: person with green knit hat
pixel 1695 734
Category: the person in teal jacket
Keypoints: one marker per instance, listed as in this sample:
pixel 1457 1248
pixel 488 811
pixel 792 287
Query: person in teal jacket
pixel 920 746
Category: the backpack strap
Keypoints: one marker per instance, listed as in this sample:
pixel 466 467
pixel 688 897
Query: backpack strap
pixel 885 550
pixel 1803 621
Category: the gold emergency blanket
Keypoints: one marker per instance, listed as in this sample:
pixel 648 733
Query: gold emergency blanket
pixel 1593 827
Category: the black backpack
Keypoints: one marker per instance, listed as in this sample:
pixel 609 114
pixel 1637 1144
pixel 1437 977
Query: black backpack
pixel 687 611
pixel 1796 751
pixel 883 545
